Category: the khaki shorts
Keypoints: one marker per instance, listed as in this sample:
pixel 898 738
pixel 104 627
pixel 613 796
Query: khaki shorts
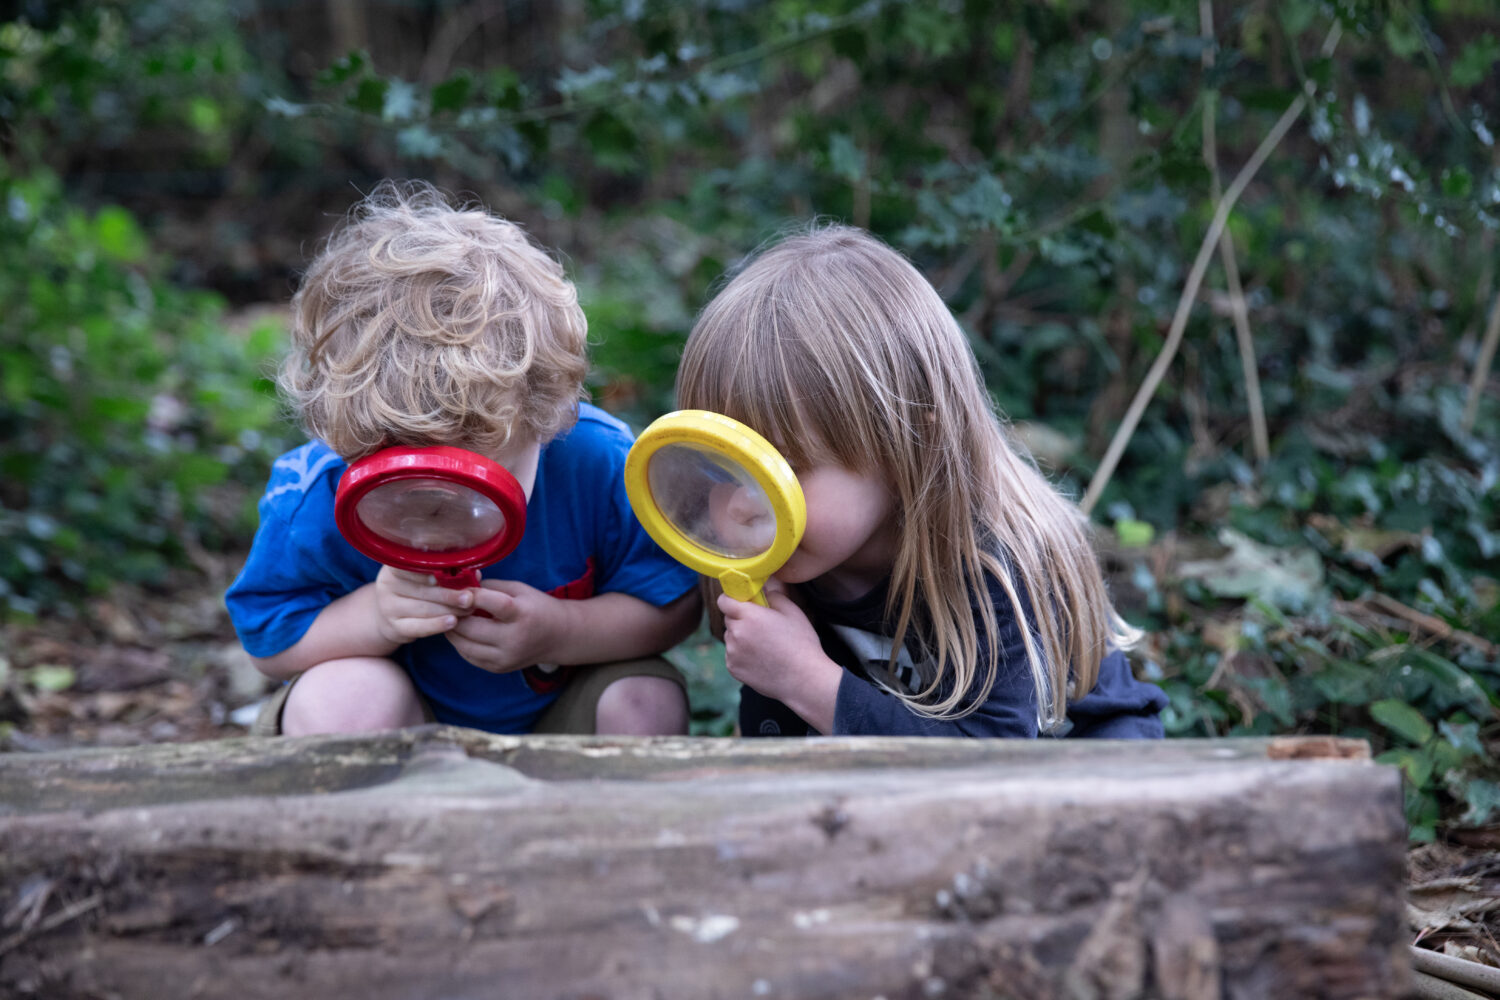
pixel 573 712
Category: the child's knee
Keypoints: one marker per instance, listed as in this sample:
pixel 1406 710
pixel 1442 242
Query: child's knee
pixel 642 706
pixel 354 695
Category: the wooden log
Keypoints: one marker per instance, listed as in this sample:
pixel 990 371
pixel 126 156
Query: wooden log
pixel 439 862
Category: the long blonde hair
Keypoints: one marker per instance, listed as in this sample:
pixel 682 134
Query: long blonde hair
pixel 424 323
pixel 832 343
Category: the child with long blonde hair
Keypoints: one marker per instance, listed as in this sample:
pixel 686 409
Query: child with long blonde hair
pixel 942 585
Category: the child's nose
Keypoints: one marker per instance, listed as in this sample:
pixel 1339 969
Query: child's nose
pixel 745 507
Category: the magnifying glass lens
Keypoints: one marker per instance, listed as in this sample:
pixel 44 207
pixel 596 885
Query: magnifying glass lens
pixel 430 515
pixel 712 500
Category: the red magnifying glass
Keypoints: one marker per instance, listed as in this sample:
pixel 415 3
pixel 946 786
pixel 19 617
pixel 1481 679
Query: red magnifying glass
pixel 440 510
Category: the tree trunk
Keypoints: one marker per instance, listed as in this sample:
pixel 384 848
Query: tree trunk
pixel 440 862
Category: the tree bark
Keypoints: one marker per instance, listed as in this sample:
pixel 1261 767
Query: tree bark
pixel 444 862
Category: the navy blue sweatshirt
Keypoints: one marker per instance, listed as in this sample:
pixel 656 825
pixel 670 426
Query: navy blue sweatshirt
pixel 1118 706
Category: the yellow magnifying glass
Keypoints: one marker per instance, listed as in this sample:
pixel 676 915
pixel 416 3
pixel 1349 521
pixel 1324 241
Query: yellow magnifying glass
pixel 717 497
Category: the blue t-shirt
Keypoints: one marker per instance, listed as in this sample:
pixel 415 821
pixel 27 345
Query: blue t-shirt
pixel 580 531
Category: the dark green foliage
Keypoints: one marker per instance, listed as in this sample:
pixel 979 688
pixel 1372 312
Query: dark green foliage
pixel 1042 163
pixel 1419 528
pixel 126 410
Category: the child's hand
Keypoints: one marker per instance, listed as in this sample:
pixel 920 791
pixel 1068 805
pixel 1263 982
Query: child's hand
pixel 776 652
pixel 412 605
pixel 522 629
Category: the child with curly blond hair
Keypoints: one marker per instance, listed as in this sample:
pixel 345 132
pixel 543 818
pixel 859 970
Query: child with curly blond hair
pixel 424 323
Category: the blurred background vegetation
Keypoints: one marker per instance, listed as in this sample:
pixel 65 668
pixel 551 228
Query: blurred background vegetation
pixel 1304 510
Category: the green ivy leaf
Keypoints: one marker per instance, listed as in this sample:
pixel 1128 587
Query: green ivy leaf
pixel 118 235
pixel 1464 735
pixel 1298 15
pixel 1403 720
pixel 346 68
pixel 51 677
pixel 1414 764
pixel 453 93
pixel 1403 37
pixel 204 115
pixel 845 159
pixel 612 140
pixel 193 472
pixel 1457 182
pixel 1483 799
pixel 1134 534
pixel 118 409
pixel 369 96
pixel 1474 62
pixel 505 90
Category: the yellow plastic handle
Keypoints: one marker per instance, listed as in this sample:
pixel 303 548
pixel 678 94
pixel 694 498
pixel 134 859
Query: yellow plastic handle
pixel 740 587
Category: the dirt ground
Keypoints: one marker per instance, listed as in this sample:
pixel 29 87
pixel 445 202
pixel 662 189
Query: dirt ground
pixel 156 667
pixel 135 667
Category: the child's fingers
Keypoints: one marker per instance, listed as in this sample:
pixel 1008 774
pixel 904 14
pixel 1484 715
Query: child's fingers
pixel 410 578
pixel 484 655
pixel 428 604
pixel 424 589
pixel 731 609
pixel 415 627
pixel 782 603
pixel 442 597
pixel 500 606
pixel 736 610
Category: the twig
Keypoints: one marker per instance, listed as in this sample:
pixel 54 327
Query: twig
pixel 1482 366
pixel 860 192
pixel 1435 626
pixel 951 279
pixel 28 908
pixel 70 912
pixel 1456 970
pixel 1260 440
pixel 1190 291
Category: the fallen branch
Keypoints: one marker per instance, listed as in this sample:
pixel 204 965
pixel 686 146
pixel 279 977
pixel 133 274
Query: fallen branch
pixel 438 861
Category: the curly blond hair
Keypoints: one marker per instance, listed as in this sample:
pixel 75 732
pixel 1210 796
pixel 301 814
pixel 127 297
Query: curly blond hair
pixel 424 323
